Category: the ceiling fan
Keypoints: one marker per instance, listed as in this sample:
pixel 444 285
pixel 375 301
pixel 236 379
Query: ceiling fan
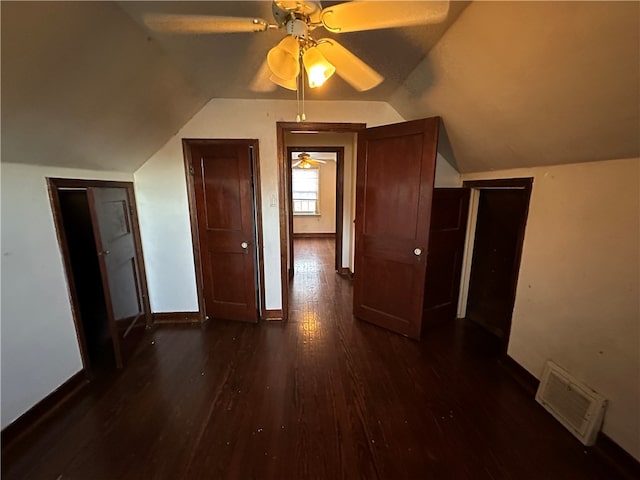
pixel 298 53
pixel 305 161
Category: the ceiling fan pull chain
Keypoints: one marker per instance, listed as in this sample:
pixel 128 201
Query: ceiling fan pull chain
pixel 298 98
pixel 303 116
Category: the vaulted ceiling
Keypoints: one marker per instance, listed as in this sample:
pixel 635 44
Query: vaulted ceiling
pixel 87 84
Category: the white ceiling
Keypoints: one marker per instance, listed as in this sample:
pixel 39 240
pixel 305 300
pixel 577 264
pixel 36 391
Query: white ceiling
pixel 87 84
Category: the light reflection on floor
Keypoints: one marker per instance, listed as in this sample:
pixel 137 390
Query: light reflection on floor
pixel 312 286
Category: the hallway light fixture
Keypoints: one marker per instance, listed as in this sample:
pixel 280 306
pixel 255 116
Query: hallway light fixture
pixel 305 161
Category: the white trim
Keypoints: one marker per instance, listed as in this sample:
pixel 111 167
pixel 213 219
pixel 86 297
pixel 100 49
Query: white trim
pixel 467 258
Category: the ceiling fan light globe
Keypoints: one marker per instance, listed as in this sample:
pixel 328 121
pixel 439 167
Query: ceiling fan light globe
pixel 318 69
pixel 288 84
pixel 283 58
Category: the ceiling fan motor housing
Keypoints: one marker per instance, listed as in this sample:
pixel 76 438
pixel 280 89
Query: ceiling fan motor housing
pixel 284 10
pixel 297 27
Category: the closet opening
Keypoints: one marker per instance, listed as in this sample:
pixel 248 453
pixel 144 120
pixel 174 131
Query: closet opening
pixel 93 332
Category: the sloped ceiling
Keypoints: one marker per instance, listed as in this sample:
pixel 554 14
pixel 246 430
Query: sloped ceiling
pixel 86 84
pixel 533 83
pixel 82 86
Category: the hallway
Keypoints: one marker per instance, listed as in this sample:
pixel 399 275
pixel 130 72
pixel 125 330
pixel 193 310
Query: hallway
pixel 322 396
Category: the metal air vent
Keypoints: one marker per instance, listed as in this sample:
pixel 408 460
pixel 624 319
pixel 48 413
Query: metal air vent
pixel 579 408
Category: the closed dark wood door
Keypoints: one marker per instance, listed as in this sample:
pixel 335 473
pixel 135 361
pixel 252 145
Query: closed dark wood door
pixel 496 258
pixel 446 250
pixel 396 166
pixel 224 201
pixel 111 213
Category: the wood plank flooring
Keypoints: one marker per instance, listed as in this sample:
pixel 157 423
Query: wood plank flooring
pixel 323 396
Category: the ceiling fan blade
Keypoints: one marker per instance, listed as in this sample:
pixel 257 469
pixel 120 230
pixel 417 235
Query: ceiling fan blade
pixel 360 15
pixel 261 81
pixel 315 160
pixel 167 23
pixel 296 163
pixel 349 67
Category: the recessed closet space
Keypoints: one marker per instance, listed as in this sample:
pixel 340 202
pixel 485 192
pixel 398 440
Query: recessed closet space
pixel 81 244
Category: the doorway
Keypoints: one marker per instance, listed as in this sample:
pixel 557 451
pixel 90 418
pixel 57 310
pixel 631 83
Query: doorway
pixel 85 268
pixel 98 233
pixel 307 133
pixel 311 217
pixel 500 208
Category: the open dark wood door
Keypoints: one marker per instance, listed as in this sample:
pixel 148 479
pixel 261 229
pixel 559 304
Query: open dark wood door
pixel 111 212
pixel 396 167
pixel 224 200
pixel 449 214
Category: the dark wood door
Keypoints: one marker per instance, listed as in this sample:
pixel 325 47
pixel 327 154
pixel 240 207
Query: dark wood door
pixel 449 214
pixel 111 213
pixel 224 200
pixel 396 166
pixel 500 226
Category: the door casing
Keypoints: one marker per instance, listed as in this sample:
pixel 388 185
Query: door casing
pixel 476 186
pixel 282 128
pixel 54 184
pixel 339 151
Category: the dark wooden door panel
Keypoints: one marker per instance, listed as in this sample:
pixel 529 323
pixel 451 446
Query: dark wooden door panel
pixel 496 257
pixel 446 249
pixel 225 211
pixel 392 192
pixel 387 300
pixel 120 268
pixel 228 291
pixel 396 165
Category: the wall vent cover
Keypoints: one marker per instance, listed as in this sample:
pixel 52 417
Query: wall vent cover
pixel 579 408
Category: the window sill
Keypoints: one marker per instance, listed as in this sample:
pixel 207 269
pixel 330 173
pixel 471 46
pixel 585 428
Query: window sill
pixel 306 214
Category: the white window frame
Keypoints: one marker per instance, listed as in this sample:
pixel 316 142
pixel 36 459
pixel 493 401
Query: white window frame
pixel 307 212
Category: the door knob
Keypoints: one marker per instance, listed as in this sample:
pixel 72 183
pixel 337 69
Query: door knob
pixel 417 252
pixel 244 245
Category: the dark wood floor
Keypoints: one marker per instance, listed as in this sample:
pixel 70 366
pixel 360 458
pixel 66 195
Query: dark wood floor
pixel 323 396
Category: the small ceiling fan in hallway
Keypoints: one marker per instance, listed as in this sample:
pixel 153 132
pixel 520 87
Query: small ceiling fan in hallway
pixel 299 54
pixel 305 161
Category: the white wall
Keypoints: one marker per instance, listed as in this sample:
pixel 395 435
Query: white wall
pixel 39 347
pixel 162 196
pixel 325 221
pixel 446 176
pixel 578 296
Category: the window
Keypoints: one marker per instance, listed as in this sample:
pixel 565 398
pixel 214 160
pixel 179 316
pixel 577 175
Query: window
pixel 304 184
